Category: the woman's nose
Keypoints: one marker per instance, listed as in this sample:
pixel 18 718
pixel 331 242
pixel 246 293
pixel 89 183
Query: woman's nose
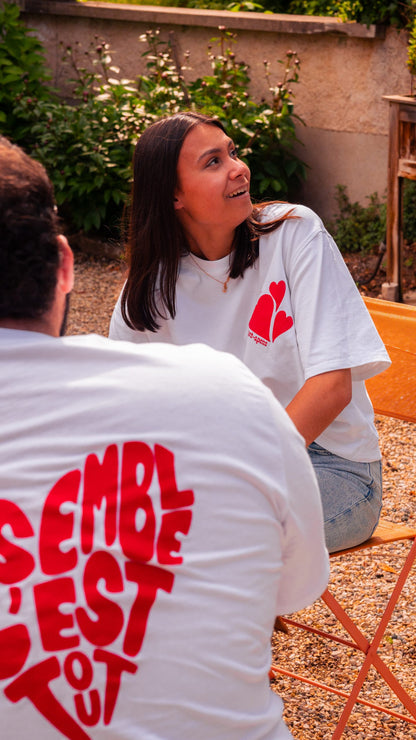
pixel 239 168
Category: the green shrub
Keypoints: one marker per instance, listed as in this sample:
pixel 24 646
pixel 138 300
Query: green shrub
pixel 390 12
pixel 409 211
pixel 357 228
pixel 264 132
pixel 23 73
pixel 411 46
pixel 87 144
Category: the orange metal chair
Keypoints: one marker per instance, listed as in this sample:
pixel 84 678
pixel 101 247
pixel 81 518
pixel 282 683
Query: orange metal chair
pixel 393 393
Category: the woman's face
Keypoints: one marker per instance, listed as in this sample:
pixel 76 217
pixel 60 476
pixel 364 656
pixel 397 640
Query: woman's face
pixel 213 184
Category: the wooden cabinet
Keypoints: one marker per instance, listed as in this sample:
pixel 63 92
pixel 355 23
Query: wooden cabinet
pixel 401 165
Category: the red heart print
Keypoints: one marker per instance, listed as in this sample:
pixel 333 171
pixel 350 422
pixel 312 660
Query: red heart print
pixel 282 323
pixel 278 291
pixel 261 317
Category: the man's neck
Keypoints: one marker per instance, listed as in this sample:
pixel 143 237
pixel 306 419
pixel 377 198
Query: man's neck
pixel 38 325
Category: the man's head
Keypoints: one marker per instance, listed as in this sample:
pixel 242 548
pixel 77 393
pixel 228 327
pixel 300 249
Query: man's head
pixel 32 252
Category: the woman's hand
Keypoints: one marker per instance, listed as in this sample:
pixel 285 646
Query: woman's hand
pixel 319 402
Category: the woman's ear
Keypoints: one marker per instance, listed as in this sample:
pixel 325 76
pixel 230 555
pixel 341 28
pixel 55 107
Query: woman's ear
pixel 177 203
pixel 66 265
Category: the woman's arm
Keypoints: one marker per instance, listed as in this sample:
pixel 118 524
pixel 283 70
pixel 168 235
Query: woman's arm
pixel 319 402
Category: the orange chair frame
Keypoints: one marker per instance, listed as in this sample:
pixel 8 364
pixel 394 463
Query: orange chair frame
pixel 393 393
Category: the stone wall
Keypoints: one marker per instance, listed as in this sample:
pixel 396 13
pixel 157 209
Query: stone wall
pixel 346 69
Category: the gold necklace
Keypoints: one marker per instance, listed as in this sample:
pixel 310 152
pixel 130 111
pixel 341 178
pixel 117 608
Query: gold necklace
pixel 221 282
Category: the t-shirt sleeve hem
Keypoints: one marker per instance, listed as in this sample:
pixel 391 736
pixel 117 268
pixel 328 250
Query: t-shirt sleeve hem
pixel 361 370
pixel 307 598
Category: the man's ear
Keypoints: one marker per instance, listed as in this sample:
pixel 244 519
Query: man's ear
pixel 66 265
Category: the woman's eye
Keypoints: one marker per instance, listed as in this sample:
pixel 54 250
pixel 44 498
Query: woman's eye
pixel 214 160
pixel 234 152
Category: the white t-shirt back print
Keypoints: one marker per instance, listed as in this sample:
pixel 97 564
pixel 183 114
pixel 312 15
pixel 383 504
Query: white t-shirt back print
pixel 151 527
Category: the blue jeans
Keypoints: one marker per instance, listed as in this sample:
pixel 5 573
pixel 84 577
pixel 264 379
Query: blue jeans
pixel 351 494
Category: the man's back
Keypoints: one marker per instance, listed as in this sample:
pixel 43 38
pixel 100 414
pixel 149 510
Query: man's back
pixel 156 508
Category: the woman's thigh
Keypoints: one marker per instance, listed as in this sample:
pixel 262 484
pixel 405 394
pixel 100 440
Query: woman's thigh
pixel 351 494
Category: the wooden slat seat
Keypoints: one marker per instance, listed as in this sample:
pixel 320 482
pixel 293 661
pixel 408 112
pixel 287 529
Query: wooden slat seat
pixel 385 533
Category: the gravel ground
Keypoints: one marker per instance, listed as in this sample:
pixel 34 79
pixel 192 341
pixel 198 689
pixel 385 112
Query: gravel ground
pixel 310 713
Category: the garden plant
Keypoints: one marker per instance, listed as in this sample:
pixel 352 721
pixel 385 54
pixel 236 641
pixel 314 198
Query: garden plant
pixel 396 13
pixel 23 72
pixel 358 228
pixel 86 144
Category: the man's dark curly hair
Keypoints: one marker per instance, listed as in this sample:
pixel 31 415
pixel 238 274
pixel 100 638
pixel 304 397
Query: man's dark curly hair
pixel 29 253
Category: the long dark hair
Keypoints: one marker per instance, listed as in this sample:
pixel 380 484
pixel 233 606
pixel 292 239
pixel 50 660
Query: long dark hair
pixel 156 241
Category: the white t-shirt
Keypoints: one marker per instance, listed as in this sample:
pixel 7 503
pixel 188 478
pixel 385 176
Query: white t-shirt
pixel 158 509
pixel 295 314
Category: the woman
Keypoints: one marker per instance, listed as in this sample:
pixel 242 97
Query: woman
pixel 266 283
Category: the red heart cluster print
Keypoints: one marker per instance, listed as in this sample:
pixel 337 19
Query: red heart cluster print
pixel 88 639
pixel 266 320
